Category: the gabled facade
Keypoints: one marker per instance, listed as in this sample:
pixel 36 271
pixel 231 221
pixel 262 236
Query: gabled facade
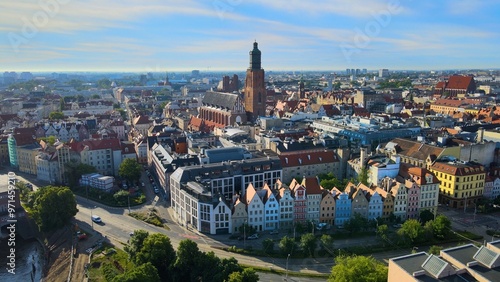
pixel 300 201
pixel 429 188
pixel 359 203
pixel 314 196
pixel 239 214
pixel 375 203
pixel 400 195
pixel 387 202
pixel 342 209
pixel 327 208
pixel 286 204
pixel 413 204
pixel 271 209
pixel 255 208
pixel 222 215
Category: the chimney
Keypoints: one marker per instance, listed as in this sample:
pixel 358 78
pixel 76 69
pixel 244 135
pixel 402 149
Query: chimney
pixel 480 135
pixel 362 156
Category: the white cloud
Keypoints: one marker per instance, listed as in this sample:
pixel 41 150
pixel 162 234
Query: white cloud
pixel 352 8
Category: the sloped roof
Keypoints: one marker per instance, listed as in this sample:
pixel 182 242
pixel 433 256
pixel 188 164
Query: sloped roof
pixel 220 99
pixel 459 82
pixel 310 158
pixel 312 185
pixel 249 194
pixel 141 120
pixel 458 169
pixel 416 149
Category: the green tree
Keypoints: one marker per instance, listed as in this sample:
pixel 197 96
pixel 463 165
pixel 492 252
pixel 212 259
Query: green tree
pixel 308 243
pixel 157 250
pixel 56 115
pixel 135 243
pixel 186 263
pixel 356 223
pixel 228 266
pixel 123 113
pixel 95 96
pixel 412 230
pixel 121 196
pixel 130 170
pixel 426 215
pixel 441 226
pixel 268 245
pixel 52 207
pixel 326 242
pixel 363 176
pixel 104 83
pixel 246 229
pixel 247 275
pixel 74 172
pixel 382 231
pixel 358 268
pixel 435 250
pixel 143 273
pixel 287 245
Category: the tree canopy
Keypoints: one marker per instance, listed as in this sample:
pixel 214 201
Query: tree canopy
pixel 412 230
pixel 52 207
pixel 187 264
pixel 358 268
pixel 56 115
pixel 74 172
pixel 441 226
pixel 130 169
pixel 247 275
pixel 287 245
pixel 308 243
pixel 143 273
pixel 157 249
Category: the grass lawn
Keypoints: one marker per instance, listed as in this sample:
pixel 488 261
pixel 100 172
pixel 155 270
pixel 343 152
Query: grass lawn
pixel 107 263
pixel 149 217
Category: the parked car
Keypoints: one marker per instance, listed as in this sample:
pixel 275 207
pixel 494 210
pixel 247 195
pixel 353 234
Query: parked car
pixel 157 190
pixel 275 231
pixel 253 237
pixel 96 219
pixel 142 184
pixel 81 236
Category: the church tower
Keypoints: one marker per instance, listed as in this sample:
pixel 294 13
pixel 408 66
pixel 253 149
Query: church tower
pixel 255 89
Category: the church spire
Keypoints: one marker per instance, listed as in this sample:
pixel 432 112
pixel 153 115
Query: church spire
pixel 255 55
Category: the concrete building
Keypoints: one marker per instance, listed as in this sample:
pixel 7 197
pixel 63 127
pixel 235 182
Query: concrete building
pixel 202 185
pixel 462 183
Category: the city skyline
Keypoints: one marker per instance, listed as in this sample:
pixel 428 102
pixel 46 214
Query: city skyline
pixel 157 36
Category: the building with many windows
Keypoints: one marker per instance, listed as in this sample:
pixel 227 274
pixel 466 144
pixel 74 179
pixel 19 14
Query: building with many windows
pixel 194 186
pixel 461 183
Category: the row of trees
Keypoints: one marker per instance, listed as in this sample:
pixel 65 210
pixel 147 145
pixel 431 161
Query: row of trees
pixel 156 260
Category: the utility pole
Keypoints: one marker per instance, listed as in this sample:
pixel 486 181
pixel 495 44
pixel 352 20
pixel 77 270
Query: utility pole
pixel 286 275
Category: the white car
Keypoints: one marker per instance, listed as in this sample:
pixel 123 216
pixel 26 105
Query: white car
pixel 96 219
pixel 254 236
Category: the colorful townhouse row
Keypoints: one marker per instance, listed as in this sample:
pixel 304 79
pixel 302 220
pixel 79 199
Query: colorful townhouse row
pixel 220 198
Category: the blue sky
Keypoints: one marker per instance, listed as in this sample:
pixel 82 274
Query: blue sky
pixel 160 35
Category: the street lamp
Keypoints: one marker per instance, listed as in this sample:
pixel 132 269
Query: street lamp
pixel 286 275
pixel 128 200
pixel 92 218
pixel 245 235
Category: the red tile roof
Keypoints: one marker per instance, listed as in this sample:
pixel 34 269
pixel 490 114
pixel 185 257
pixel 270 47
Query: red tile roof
pixel 312 185
pixel 97 144
pixel 310 158
pixel 459 82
